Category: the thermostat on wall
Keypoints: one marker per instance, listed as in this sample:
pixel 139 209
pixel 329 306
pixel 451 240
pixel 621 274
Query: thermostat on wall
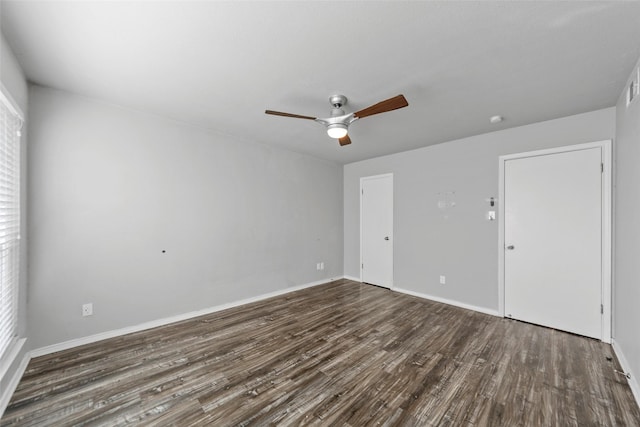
pixel 634 88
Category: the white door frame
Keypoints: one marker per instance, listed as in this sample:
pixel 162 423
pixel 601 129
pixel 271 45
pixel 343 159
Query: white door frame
pixel 605 147
pixel 362 180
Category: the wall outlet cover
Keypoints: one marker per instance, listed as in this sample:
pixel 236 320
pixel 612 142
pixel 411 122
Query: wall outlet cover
pixel 87 309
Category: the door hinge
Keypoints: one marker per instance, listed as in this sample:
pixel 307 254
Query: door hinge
pixel 362 265
pixel 601 167
pixel 362 191
pixel 601 309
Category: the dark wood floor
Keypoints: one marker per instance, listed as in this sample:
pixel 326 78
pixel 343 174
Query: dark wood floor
pixel 337 354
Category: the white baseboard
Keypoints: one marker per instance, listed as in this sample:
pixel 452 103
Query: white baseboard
pixel 167 320
pixel 13 383
pixel 448 301
pixel 10 356
pixel 633 382
pixel 355 279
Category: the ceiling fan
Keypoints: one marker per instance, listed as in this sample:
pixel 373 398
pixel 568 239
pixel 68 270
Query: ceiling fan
pixel 338 124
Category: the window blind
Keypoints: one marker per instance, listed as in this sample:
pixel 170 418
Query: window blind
pixel 10 125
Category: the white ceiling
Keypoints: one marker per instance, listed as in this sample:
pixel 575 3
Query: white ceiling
pixel 219 65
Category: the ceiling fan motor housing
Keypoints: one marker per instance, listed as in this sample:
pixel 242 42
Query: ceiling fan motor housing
pixel 336 111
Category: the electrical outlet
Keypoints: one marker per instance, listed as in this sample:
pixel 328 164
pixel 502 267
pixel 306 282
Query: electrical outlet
pixel 322 265
pixel 87 309
pixel 443 280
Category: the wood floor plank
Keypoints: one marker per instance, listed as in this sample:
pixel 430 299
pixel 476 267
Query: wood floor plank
pixel 342 353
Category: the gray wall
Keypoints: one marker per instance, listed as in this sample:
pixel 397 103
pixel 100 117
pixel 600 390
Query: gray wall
pixel 627 232
pixel 463 245
pixel 12 76
pixel 14 82
pixel 112 188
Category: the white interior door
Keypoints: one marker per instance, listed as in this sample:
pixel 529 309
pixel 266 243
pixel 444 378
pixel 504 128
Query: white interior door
pixel 553 240
pixel 376 236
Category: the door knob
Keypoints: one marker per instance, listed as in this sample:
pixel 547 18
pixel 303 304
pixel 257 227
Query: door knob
pixel 386 238
pixel 511 247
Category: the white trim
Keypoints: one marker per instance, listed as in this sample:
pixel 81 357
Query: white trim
pixel 5 398
pixel 10 355
pixel 607 240
pixel 362 179
pixel 449 302
pixel 438 299
pixel 605 147
pixel 11 104
pixel 501 162
pixel 624 364
pixel 165 321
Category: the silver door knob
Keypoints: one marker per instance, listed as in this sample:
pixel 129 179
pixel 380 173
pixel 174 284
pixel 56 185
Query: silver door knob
pixel 511 247
pixel 386 238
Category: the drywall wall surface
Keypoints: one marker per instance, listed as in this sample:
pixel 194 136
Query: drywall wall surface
pixel 457 242
pixel 14 82
pixel 12 76
pixel 626 295
pixel 148 218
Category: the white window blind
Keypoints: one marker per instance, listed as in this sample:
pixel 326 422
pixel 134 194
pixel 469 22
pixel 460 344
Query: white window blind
pixel 10 125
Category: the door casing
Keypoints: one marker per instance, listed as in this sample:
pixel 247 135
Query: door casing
pixel 605 147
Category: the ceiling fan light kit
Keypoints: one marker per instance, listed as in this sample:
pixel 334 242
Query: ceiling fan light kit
pixel 338 124
pixel 337 130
